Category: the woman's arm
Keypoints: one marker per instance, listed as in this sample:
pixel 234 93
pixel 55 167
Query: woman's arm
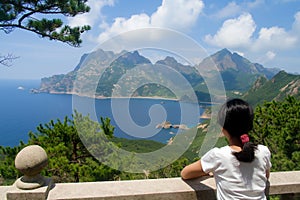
pixel 193 170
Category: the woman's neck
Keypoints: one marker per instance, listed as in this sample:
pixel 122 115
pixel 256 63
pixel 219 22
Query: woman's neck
pixel 234 141
pixel 235 144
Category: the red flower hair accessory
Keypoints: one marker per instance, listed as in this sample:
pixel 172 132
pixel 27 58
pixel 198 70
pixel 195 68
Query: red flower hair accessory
pixel 244 138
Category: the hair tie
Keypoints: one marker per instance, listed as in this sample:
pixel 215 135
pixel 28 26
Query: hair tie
pixel 245 138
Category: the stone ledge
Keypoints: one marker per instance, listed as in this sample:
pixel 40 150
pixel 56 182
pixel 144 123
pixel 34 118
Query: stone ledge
pixel 154 189
pixel 284 182
pixel 171 188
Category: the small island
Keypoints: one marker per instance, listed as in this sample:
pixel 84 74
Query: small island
pixel 168 125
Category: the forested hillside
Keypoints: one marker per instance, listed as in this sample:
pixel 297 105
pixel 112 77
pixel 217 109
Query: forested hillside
pixel 278 88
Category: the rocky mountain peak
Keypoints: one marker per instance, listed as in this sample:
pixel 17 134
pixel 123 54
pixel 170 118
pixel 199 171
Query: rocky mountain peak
pixel 132 58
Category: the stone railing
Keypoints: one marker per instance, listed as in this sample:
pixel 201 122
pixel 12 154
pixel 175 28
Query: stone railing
pixel 32 186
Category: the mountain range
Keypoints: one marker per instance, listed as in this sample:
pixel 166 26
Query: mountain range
pixel 105 73
pixel 237 72
pixel 277 88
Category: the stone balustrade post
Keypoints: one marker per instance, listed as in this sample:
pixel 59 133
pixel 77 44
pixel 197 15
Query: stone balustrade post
pixel 30 161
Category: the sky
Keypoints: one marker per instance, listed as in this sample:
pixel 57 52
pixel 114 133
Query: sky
pixel 263 31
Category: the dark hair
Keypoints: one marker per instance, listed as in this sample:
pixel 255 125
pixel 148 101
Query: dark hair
pixel 236 117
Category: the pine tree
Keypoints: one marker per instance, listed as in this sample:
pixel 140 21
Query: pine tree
pixel 277 125
pixel 37 16
pixel 69 158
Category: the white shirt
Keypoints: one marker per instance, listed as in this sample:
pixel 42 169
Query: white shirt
pixel 235 179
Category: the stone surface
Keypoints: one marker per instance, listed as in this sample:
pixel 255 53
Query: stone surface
pixel 41 193
pixel 30 182
pixel 31 160
pixel 3 191
pixel 149 189
pixel 284 182
pixel 172 188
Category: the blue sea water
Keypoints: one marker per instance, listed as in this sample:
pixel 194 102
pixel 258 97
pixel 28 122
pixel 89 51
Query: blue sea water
pixel 135 118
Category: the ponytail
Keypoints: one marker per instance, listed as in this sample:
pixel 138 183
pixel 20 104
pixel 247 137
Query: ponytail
pixel 248 152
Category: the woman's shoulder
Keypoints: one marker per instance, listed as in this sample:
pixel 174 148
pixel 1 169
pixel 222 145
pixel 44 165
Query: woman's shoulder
pixel 263 149
pixel 220 150
pixel 214 158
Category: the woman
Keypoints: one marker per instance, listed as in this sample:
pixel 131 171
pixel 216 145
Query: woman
pixel 240 169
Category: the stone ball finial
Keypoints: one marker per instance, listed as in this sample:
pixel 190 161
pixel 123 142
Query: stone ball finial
pixel 30 161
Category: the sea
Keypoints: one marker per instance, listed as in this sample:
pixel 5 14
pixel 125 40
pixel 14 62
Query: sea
pixel 133 118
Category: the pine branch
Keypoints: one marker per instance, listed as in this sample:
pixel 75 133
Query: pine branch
pixel 19 14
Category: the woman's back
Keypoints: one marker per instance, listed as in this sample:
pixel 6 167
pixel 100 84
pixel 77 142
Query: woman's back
pixel 235 179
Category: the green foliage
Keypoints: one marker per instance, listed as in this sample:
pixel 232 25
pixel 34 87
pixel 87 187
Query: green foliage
pixel 138 146
pixel 107 128
pixel 277 125
pixel 69 160
pixel 27 15
pixel 8 172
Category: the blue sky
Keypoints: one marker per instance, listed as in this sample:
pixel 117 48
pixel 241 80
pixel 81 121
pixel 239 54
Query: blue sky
pixel 264 31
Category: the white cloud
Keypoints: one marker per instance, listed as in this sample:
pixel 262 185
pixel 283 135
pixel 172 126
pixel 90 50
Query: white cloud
pixel 233 8
pixel 274 37
pixel 270 55
pixel 122 25
pixel 91 17
pixel 267 45
pixel 255 4
pixel 239 33
pixel 177 14
pixel 229 10
pixel 266 57
pixel 174 14
pixel 234 32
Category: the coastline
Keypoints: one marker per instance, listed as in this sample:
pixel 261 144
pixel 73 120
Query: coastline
pixel 129 97
pixel 115 97
pixel 200 103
